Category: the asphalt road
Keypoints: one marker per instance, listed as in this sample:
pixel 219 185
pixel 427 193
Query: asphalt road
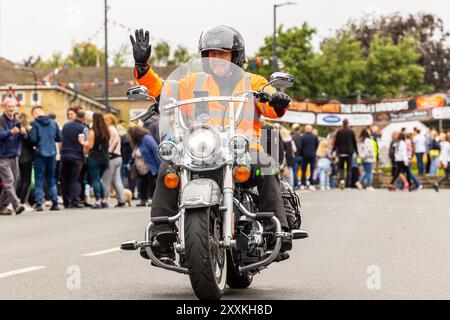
pixel 363 246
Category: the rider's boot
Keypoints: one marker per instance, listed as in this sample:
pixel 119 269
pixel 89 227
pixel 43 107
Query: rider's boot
pixel 287 243
pixel 162 247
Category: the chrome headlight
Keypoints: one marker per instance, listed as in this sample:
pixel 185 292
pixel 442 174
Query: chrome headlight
pixel 167 151
pixel 201 142
pixel 239 145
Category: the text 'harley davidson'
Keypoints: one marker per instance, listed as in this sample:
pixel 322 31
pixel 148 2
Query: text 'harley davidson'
pixel 213 152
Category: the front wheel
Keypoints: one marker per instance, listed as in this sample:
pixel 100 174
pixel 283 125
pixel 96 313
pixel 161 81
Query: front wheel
pixel 236 280
pixel 206 260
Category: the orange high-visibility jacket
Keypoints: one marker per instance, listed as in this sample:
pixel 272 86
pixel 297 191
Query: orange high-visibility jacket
pixel 187 86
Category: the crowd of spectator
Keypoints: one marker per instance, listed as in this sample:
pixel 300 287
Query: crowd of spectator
pixel 84 164
pixel 94 158
pixel 344 159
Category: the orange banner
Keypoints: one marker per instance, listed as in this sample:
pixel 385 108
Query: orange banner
pixel 316 108
pixel 430 102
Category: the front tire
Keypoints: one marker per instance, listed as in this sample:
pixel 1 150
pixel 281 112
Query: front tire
pixel 206 261
pixel 235 280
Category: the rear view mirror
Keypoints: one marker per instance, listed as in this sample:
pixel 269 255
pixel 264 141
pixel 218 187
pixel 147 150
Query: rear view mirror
pixel 281 80
pixel 138 93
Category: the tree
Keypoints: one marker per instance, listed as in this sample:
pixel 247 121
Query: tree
pixel 120 56
pixel 86 55
pixel 180 56
pixel 83 55
pixel 161 54
pixel 55 61
pixel 426 28
pixel 392 70
pixel 295 50
pixel 340 69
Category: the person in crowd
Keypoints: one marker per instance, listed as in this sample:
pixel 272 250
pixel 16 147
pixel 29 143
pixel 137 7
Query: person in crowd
pixel 121 128
pixel 420 149
pixel 324 164
pixel 315 132
pixel 127 157
pixel 367 155
pixel 112 177
pixel 84 175
pixel 401 178
pixel 290 150
pixel 410 148
pixel 356 173
pixel 72 113
pixel 297 137
pixel 58 159
pixel 152 125
pixel 146 162
pixel 10 148
pixel 72 160
pixel 428 144
pixel 434 153
pixel 401 160
pixel 45 134
pixel 25 161
pixel 309 144
pixel 97 148
pixel 345 146
pixel 444 161
pixel 375 136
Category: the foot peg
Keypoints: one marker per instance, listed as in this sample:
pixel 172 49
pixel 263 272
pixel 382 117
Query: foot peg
pixel 299 234
pixel 129 246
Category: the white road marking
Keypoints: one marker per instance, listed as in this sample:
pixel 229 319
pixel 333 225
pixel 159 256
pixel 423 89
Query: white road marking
pixel 16 272
pixel 100 253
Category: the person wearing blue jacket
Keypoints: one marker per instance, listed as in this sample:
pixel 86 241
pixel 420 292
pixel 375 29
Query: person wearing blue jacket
pixel 10 149
pixel 44 134
pixel 146 162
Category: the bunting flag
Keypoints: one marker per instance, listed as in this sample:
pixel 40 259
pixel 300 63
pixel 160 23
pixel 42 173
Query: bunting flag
pixel 96 33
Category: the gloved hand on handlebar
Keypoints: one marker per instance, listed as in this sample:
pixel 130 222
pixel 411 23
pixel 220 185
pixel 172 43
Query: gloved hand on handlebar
pixel 280 101
pixel 142 50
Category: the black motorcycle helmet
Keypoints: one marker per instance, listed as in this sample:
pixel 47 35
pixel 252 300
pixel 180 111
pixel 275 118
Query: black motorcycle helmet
pixel 223 38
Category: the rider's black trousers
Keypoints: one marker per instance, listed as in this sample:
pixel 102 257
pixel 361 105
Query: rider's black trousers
pixel 165 201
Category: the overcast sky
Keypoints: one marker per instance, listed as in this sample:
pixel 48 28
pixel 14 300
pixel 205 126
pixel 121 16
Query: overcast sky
pixel 40 27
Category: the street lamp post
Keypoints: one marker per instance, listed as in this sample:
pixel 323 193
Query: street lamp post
pixel 275 58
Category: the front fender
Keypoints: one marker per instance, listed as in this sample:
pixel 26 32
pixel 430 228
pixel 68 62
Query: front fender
pixel 201 193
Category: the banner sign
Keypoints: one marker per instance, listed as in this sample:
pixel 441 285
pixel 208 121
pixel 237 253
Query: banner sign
pixel 397 110
pixel 297 117
pixel 431 102
pixel 441 113
pixel 336 120
pixel 315 107
pixel 375 108
pixel 410 116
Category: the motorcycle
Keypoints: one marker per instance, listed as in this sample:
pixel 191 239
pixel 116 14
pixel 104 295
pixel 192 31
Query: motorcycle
pixel 221 236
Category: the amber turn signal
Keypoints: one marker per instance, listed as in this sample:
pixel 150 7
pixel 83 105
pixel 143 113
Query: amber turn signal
pixel 241 174
pixel 171 181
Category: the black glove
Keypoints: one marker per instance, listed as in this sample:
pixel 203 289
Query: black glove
pixel 263 97
pixel 142 48
pixel 280 101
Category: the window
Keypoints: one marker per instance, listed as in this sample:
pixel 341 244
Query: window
pixel 134 113
pixel 20 97
pixel 35 98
